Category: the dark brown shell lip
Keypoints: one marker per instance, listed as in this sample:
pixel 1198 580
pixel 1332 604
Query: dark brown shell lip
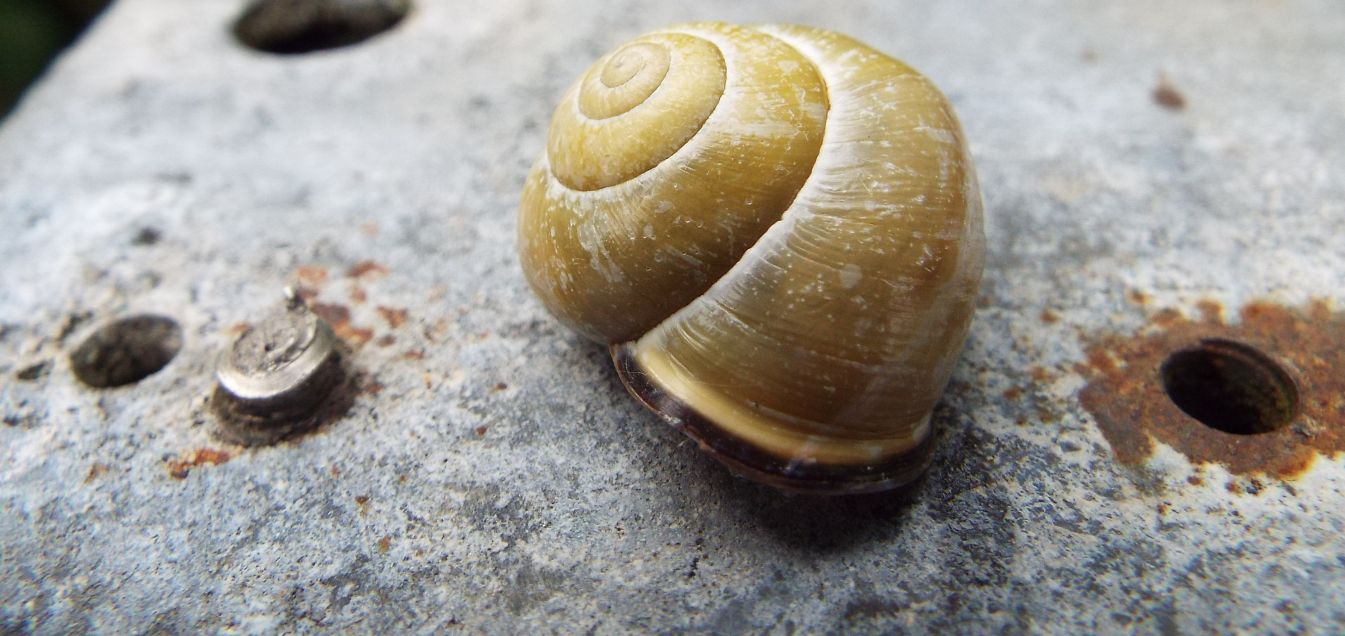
pixel 744 459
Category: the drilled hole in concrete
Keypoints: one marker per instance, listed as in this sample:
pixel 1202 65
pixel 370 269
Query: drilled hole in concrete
pixel 126 351
pixel 301 26
pixel 1230 386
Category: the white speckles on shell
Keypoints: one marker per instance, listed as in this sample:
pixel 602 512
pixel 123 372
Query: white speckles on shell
pixel 939 134
pixel 850 275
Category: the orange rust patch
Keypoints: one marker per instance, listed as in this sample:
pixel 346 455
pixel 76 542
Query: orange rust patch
pixel 362 499
pixel 386 341
pixel 1049 317
pixel 239 328
pixel 311 275
pixel 413 354
pixel 354 335
pixel 1138 297
pixel 1100 360
pixel 1046 415
pixel 385 544
pixel 481 431
pixel 1126 397
pixel 367 268
pixel 393 315
pixel 1210 310
pixel 181 467
pixel 1167 95
pixel 440 328
pixel 357 295
pixel 97 470
pixel 1013 393
pixel 338 316
pixel 1166 318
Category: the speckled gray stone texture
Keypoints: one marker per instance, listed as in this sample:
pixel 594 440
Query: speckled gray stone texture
pixel 503 482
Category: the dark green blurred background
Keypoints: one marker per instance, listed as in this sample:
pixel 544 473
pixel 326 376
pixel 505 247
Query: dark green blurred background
pixel 32 32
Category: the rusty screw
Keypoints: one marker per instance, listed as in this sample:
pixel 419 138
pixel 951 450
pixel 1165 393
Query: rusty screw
pixel 277 374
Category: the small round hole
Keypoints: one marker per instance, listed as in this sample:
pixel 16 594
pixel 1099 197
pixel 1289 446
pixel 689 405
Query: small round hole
pixel 301 26
pixel 1230 386
pixel 126 351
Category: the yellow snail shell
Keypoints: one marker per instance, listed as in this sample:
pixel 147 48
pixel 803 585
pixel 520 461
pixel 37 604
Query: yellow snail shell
pixel 778 231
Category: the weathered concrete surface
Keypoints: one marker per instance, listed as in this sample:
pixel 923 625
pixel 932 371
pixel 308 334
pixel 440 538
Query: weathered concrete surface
pixel 504 481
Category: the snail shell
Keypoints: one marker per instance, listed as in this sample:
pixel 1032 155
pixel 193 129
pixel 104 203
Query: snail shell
pixel 778 231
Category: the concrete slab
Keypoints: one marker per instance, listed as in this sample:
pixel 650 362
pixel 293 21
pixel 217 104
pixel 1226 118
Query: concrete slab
pixel 492 475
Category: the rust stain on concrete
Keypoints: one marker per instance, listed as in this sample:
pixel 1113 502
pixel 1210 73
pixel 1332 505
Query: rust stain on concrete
pixel 1125 392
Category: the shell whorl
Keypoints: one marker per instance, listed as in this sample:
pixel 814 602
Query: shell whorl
pixel 600 137
pixel 793 260
pixel 614 211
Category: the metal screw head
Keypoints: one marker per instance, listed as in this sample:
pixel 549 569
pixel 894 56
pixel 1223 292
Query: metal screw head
pixel 282 368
